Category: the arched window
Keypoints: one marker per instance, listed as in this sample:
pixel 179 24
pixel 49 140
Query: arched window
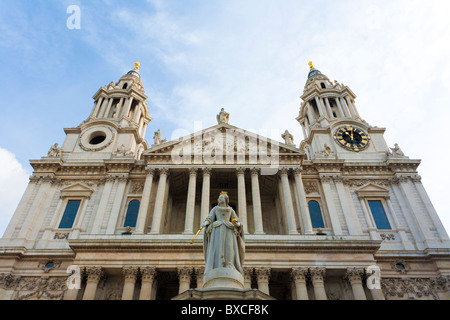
pixel 132 214
pixel 316 214
pixel 125 86
pixel 323 85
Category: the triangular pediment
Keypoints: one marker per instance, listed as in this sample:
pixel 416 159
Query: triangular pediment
pixel 224 140
pixel 371 189
pixel 77 190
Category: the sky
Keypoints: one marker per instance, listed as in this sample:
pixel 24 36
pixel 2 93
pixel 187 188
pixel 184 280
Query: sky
pixel 249 57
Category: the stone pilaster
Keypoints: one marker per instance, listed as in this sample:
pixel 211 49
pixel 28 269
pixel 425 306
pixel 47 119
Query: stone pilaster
pixel 248 273
pixel 199 272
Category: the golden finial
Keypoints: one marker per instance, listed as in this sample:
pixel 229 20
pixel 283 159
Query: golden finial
pixel 223 193
pixel 311 65
pixel 137 65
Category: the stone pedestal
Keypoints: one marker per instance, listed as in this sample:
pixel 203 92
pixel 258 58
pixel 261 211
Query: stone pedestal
pixel 223 278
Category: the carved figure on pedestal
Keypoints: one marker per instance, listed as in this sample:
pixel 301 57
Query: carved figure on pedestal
pixel 224 238
pixel 54 151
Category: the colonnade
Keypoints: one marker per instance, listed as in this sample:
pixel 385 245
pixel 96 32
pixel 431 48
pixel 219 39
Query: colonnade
pixel 304 216
pixel 300 276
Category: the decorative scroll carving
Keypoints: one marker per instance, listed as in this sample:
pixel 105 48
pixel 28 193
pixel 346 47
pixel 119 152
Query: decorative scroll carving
pixel 9 281
pixel 61 236
pixel 387 236
pixel 185 273
pixel 311 187
pixel 414 287
pixel 37 288
pixel 263 274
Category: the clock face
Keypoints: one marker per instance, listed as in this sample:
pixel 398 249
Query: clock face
pixel 352 138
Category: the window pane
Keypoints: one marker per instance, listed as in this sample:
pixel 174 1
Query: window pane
pixel 69 214
pixel 379 215
pixel 316 215
pixel 132 214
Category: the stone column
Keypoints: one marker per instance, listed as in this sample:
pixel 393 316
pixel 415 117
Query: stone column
pixel 319 107
pixel 341 111
pixel 352 107
pixel 330 111
pixel 159 203
pixel 310 114
pixel 248 272
pixel 304 209
pixel 199 272
pixel 190 202
pixel 346 108
pixel 206 190
pixel 317 277
pixel 119 108
pixel 256 197
pixel 354 277
pixel 184 275
pixel 148 275
pixel 97 107
pixel 122 181
pixel 130 274
pixel 289 207
pixel 242 198
pixel 108 108
pixel 145 201
pixel 127 107
pixel 94 275
pixel 263 276
pixel 299 277
pixel 326 180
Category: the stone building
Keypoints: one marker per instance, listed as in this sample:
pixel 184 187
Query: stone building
pixel 341 216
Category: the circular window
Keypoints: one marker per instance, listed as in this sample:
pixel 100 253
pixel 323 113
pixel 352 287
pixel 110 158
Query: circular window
pixel 400 266
pixel 97 138
pixel 49 265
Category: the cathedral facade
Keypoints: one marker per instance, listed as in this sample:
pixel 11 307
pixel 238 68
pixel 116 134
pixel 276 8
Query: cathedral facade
pixel 108 216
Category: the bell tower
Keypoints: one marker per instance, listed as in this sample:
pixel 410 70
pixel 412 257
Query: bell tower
pixel 116 125
pixel 332 126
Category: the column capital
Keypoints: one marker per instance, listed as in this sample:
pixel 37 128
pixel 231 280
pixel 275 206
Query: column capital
pixel 148 273
pixel 284 171
pixel 164 171
pixel 207 170
pixel 130 273
pixel 193 171
pixel 185 273
pixel 199 271
pixel 263 273
pixel 248 272
pixel 354 275
pixel 149 170
pixel 298 170
pixel 299 273
pixel 317 273
pixel 240 170
pixel 255 171
pixel 94 273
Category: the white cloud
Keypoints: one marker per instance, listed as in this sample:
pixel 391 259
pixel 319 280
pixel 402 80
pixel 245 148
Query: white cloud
pixel 13 181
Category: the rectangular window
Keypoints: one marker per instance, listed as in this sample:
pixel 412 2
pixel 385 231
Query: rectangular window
pixel 70 214
pixel 379 215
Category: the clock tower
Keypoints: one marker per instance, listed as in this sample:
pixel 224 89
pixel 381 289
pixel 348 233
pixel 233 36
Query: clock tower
pixel 332 126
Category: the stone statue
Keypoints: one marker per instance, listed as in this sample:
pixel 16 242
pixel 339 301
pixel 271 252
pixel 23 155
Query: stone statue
pixel 224 246
pixel 396 151
pixel 54 151
pixel 223 117
pixel 157 138
pixel 327 152
pixel 288 138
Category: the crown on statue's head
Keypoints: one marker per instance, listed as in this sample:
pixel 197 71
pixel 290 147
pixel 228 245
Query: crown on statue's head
pixel 223 193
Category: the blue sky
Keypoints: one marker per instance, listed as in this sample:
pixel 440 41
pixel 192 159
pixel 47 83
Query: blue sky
pixel 249 57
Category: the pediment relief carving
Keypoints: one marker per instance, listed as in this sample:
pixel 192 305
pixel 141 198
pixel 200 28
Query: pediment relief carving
pixel 224 141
